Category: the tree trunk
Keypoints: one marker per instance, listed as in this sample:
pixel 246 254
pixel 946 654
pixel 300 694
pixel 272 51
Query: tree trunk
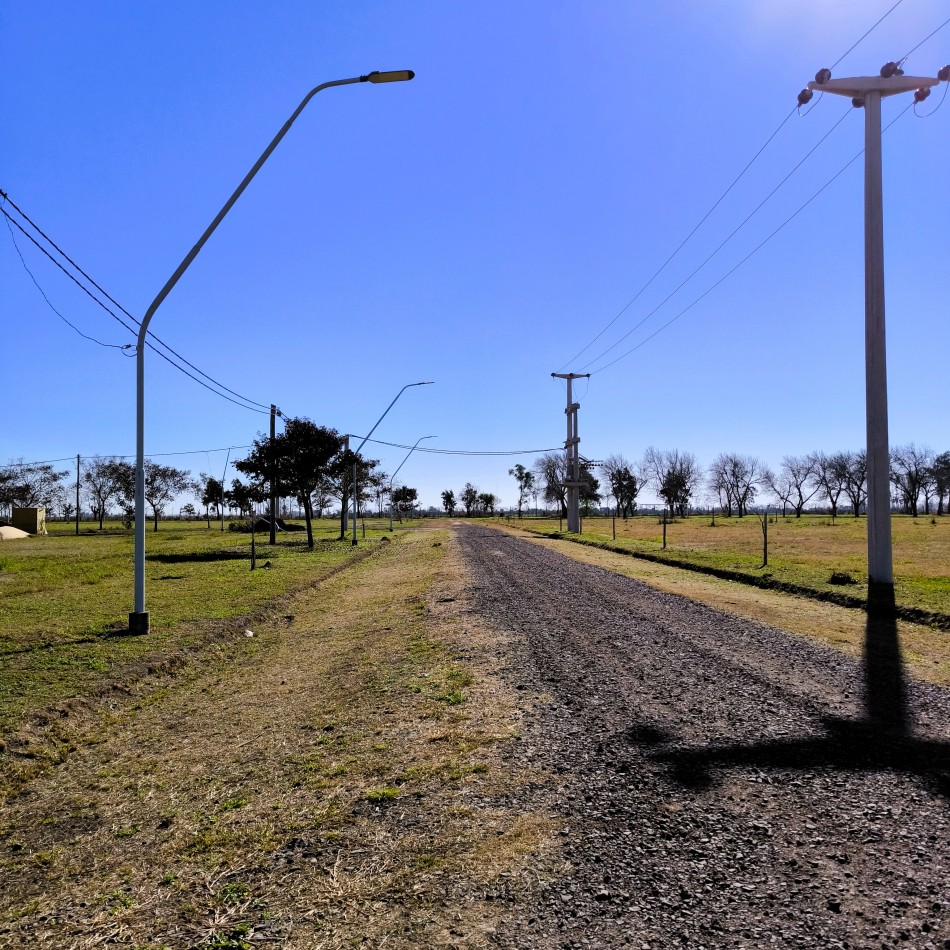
pixel 308 515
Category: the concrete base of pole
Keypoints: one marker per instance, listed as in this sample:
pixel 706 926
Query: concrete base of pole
pixel 138 623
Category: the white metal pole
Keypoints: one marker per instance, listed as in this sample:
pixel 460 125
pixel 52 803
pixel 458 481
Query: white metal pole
pixel 880 569
pixel 138 621
pixel 867 91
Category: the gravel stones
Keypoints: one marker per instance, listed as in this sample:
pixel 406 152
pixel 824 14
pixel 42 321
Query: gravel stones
pixel 719 782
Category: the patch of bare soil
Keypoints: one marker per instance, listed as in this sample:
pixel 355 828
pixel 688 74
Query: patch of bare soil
pixel 722 783
pixel 336 779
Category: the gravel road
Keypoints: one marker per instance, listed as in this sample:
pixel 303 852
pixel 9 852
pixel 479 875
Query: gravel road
pixel 719 783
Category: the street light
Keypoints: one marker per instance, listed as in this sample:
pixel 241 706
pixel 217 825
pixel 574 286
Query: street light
pixel 366 437
pixel 394 474
pixel 867 91
pixel 138 621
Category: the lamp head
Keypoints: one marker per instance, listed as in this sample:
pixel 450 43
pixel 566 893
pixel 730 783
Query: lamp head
pixel 392 75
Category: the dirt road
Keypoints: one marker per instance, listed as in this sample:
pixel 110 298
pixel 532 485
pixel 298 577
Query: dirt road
pixel 719 783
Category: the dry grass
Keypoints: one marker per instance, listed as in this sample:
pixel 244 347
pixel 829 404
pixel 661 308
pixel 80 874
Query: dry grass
pixel 926 651
pixel 804 551
pixel 336 779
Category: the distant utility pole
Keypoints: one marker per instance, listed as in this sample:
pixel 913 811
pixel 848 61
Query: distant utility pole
pixel 866 92
pixel 573 481
pixel 274 413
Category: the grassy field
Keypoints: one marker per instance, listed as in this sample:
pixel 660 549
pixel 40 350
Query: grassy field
pixel 338 780
pixel 65 599
pixel 804 551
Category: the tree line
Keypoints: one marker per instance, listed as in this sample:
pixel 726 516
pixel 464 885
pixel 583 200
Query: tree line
pixel 309 463
pixel 733 482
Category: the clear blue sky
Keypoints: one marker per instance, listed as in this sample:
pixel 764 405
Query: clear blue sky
pixel 477 226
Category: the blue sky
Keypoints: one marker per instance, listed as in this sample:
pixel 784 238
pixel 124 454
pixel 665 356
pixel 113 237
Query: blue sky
pixel 477 226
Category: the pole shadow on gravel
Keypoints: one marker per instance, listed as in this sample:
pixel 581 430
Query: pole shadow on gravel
pixel 881 741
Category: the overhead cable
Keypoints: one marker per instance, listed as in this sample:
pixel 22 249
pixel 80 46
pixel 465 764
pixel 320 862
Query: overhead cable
pixel 262 407
pixel 751 253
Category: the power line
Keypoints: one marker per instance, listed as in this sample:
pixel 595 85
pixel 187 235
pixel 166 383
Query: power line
pixel 397 445
pixel 265 409
pixel 744 222
pixel 735 181
pixel 85 336
pixel 682 243
pixel 924 40
pixel 754 251
pixel 866 35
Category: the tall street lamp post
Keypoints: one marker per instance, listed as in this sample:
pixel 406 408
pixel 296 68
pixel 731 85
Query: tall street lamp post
pixel 365 439
pixel 867 91
pixel 138 620
pixel 394 474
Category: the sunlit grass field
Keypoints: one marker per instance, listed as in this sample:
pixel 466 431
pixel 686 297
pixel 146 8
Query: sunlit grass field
pixel 806 551
pixel 65 599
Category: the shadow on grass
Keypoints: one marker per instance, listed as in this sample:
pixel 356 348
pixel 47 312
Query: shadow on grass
pixel 881 741
pixel 198 557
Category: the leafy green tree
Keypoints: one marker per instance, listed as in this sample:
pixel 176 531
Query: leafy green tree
pixel 338 481
pixel 162 484
pixel 940 473
pixel 404 498
pixel 210 493
pixel 486 502
pixel 525 479
pixel 625 484
pixel 448 501
pixel 676 474
pixel 469 498
pixel 303 456
pixel 102 480
pixel 30 486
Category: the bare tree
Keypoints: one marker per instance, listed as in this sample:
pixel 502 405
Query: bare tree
pixel 737 479
pixel 856 479
pixel 798 472
pixel 551 470
pixel 831 476
pixel 780 485
pixel 675 476
pixel 909 470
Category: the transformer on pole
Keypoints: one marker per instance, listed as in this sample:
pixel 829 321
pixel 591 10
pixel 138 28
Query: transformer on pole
pixel 573 481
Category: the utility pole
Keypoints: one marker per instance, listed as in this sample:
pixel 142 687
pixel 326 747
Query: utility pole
pixel 573 481
pixel 77 496
pixel 866 92
pixel 273 475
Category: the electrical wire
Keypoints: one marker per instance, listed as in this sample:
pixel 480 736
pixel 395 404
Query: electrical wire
pixel 744 222
pixel 866 35
pixel 92 458
pixel 906 55
pixel 754 251
pixel 117 346
pixel 6 198
pixel 154 349
pixel 724 194
pixel 397 445
pixel 682 243
pixel 927 115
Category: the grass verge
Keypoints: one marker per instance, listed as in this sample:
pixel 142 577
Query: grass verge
pixel 337 779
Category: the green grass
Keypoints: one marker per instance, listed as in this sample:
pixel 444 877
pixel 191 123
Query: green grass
pixel 804 551
pixel 64 599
